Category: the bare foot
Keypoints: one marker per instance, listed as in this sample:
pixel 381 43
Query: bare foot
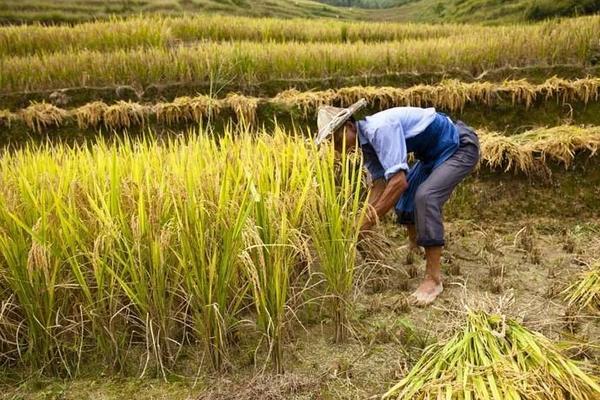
pixel 427 292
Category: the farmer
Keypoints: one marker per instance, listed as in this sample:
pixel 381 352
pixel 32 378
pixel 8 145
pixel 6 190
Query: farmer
pixel 446 151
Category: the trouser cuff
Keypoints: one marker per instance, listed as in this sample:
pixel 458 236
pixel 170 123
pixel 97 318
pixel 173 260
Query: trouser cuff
pixel 430 242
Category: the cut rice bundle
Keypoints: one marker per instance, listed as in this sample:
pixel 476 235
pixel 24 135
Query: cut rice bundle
pixel 495 358
pixel 584 293
pixel 39 116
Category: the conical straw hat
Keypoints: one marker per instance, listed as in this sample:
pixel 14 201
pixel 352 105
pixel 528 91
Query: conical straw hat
pixel 330 119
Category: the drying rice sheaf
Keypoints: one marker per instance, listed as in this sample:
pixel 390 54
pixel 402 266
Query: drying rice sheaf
pixel 518 152
pixel 39 116
pixel 451 95
pixel 493 357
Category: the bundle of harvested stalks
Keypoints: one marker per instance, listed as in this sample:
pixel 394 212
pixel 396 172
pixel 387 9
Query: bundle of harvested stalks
pixel 305 101
pixel 186 109
pixel 495 358
pixel 499 151
pixel 90 115
pixel 39 116
pixel 6 117
pixel 123 114
pixel 520 152
pixel 243 106
pixel 584 293
pixel 562 143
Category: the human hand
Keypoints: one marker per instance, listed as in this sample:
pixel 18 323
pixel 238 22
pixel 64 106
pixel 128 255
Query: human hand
pixel 370 220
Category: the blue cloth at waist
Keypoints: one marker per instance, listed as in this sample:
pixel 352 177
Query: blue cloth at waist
pixel 431 147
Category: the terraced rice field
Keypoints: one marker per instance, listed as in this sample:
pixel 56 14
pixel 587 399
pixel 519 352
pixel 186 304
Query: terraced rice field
pixel 191 239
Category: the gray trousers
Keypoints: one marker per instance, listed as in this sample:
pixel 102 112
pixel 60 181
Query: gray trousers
pixel 437 188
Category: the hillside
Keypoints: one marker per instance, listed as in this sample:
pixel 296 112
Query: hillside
pixel 486 11
pixel 469 10
pixel 69 11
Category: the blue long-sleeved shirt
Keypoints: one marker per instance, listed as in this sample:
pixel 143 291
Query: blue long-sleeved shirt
pixel 387 137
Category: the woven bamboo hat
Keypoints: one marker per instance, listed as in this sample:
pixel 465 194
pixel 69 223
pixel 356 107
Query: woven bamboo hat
pixel 330 119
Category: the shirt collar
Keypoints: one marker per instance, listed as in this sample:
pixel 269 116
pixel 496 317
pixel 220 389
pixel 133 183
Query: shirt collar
pixel 362 139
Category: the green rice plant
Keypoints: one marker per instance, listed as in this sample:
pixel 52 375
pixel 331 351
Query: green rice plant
pixel 281 190
pixel 584 293
pixel 336 215
pixel 32 265
pixel 493 357
pixel 211 214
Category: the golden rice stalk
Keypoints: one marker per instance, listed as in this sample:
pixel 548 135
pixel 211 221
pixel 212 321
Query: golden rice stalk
pixel 39 116
pixel 124 114
pixel 6 118
pixel 306 101
pixel 91 114
pixel 587 89
pixel 493 357
pixel 243 106
pixel 384 97
pixel 584 293
pixel 498 151
pixel 187 109
pixel 561 143
pixel 564 90
pixel 521 91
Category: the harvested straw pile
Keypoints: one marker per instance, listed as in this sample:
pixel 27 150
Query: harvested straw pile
pixel 526 151
pixel 243 106
pixel 186 109
pixel 124 114
pixel 495 358
pixel 6 117
pixel 584 293
pixel 91 114
pixel 39 116
pixel 451 95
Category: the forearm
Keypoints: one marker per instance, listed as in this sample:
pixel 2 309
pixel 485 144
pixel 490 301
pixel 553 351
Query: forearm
pixel 376 190
pixel 388 198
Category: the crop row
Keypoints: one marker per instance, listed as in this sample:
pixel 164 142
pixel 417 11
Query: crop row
pixel 156 31
pixel 112 246
pixel 107 249
pixel 255 62
pixel 450 95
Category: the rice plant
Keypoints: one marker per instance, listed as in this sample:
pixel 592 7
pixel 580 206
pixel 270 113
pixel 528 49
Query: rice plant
pixel 109 249
pixel 493 357
pixel 157 31
pixel 250 63
pixel 275 242
pixel 337 213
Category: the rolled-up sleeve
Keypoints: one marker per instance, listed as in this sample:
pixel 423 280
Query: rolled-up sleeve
pixel 389 144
